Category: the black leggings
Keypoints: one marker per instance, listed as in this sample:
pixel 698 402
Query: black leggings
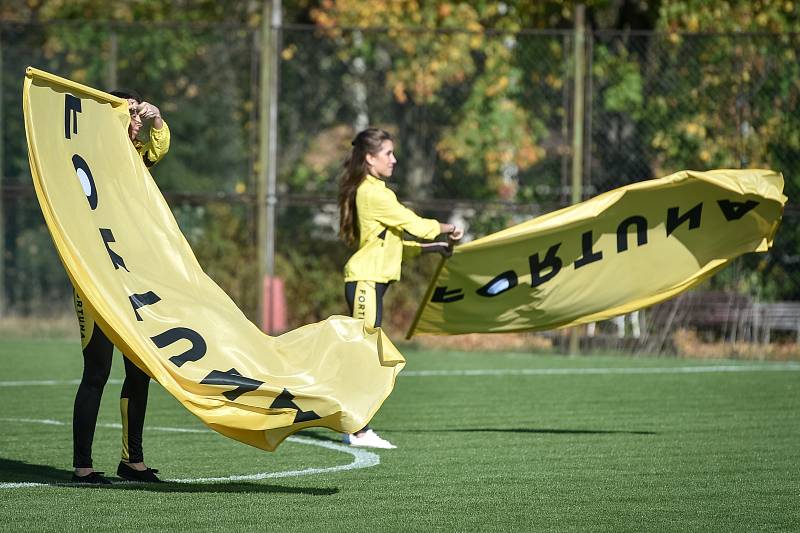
pixel 133 402
pixel 365 300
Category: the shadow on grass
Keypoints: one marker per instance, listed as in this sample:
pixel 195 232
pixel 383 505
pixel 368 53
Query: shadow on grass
pixel 335 437
pixel 13 471
pixel 228 486
pixel 328 436
pixel 527 430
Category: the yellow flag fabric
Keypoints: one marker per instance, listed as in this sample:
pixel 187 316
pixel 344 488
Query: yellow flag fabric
pixel 124 253
pixel 618 252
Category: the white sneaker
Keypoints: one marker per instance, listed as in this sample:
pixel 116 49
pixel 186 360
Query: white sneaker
pixel 368 439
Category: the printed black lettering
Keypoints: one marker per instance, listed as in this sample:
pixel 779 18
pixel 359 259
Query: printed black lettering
pixel 86 179
pixel 195 353
pixel 81 317
pixel 140 300
pixel 589 256
pixel 499 284
pixel 442 295
pixel 116 259
pixel 234 378
pixel 285 401
pixel 735 210
pixel 675 219
pixel 72 106
pixel 622 232
pixel 551 261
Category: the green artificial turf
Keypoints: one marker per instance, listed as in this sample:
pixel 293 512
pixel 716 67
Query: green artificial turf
pixel 489 441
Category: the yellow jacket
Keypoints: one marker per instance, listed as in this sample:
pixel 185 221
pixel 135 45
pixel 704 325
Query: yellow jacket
pixel 381 221
pixel 156 146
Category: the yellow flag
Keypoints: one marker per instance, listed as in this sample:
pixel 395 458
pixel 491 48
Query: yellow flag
pixel 123 251
pixel 620 251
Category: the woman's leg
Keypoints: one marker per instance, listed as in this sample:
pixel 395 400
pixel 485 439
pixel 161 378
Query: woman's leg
pixel 365 300
pixel 133 405
pixel 97 353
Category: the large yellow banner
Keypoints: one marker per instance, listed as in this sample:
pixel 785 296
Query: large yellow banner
pixel 620 251
pixel 123 251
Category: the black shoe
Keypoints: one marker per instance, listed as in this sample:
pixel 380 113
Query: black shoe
pixel 95 478
pixel 131 474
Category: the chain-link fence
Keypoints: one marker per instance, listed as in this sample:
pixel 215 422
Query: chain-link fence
pixel 484 129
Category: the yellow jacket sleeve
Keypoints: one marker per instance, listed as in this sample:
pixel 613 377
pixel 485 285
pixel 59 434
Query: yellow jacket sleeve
pixel 382 221
pixel 157 146
pixel 387 210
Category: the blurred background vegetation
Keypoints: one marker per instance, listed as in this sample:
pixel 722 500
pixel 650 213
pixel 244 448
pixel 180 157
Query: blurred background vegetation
pixel 479 96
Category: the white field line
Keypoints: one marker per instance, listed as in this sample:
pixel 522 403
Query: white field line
pixel 603 371
pixel 365 459
pixel 361 458
pixel 700 369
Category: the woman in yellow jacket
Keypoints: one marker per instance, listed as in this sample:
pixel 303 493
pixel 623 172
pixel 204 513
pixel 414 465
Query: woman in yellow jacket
pixel 98 349
pixel 371 216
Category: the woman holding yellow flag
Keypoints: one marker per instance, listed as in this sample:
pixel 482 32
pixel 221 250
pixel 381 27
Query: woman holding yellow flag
pixel 98 349
pixel 371 217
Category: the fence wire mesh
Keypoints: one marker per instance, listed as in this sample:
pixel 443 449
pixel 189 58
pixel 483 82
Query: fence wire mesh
pixel 485 136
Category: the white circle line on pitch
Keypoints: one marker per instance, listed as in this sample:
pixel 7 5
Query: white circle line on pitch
pixel 361 458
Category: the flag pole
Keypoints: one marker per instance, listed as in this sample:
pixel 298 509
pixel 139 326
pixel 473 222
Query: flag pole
pixel 425 299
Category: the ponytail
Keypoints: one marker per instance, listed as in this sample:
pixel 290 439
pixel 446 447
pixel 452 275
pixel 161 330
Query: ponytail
pixel 353 173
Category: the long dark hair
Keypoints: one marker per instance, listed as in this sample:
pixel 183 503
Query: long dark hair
pixel 366 142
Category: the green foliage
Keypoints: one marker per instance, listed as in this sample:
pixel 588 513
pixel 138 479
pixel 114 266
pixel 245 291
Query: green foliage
pixel 480 110
pixel 493 133
pixel 39 279
pixel 313 284
pixel 310 260
pixel 625 93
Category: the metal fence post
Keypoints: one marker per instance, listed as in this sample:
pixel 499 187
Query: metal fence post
pixel 2 173
pixel 266 187
pixel 577 133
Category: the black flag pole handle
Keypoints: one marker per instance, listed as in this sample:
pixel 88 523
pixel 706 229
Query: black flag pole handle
pixel 427 296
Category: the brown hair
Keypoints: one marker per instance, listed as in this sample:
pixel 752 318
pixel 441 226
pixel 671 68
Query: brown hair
pixel 366 142
pixel 127 93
